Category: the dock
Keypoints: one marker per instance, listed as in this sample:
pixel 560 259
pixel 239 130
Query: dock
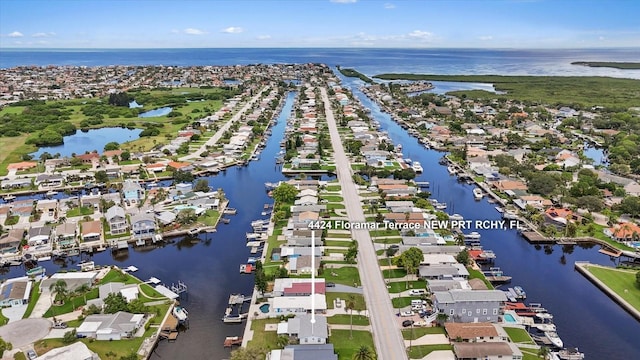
pixel 230 341
pixel 237 299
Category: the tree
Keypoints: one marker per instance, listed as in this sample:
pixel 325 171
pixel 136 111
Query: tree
pixel 285 193
pixel 69 336
pixel 202 185
pixel 111 146
pixel 59 288
pixel 544 352
pixel 410 260
pixel 115 302
pixel 101 176
pixel 4 345
pixel 364 353
pixel 638 277
pixel 463 257
pixel 83 290
pixel 352 252
pixel 570 230
pixel 282 341
pixel 186 217
pixel 630 205
pixel 125 156
pixel 350 304
pixel 180 176
pixel 441 318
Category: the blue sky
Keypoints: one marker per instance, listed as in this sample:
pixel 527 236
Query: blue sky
pixel 319 23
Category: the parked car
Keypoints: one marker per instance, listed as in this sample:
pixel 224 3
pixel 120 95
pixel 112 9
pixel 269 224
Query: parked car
pixel 417 292
pixel 330 284
pixel 60 325
pixel 407 323
pixel 31 355
pixel 406 313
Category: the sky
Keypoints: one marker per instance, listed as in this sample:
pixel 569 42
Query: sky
pixel 319 23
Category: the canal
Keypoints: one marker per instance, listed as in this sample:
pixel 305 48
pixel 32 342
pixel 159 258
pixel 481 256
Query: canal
pixel 586 318
pixel 209 265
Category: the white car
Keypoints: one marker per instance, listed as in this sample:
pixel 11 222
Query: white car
pixel 406 313
pixel 417 292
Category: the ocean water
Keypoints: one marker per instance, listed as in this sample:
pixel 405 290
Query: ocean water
pixel 368 61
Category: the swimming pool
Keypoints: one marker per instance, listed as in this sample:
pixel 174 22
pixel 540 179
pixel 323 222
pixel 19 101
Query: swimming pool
pixel 508 318
pixel 635 244
pixel 264 308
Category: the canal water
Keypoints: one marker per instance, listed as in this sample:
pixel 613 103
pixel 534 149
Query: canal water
pixel 208 265
pixel 586 318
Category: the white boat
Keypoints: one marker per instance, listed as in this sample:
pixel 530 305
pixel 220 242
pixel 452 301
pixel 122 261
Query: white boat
pixel 44 258
pixel 472 235
pixel 456 217
pixel 51 193
pixel 554 338
pixel 477 194
pixel 545 327
pixel 417 167
pixel 509 215
pixel 520 292
pixel 544 316
pixel 407 161
pixel 193 231
pixel 441 206
pixel 499 209
pixel 451 170
pixel 570 354
pixel 9 198
pixel 180 313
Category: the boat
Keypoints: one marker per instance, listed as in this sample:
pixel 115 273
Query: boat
pixel 521 294
pixel 230 211
pixel 236 318
pixel 417 167
pixel 181 314
pixel 545 327
pixel 9 198
pixel 408 161
pixel 499 209
pixel 477 194
pixel 225 220
pixel 456 217
pixel 509 216
pixel 451 170
pixel 440 206
pixel 554 338
pixel 36 271
pixel 399 148
pixel 472 235
pixel 252 260
pixel 51 193
pixel 44 258
pixel 193 231
pixel 246 268
pixel 570 354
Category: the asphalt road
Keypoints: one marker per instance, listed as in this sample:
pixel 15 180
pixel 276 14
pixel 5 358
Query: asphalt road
pixel 386 332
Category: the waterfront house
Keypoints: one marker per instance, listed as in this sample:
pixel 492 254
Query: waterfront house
pixel 15 183
pixel 89 158
pixel 470 305
pixel 65 234
pixel 15 292
pixel 5 210
pixel 49 180
pixel 299 304
pixel 48 209
pixel 91 230
pixel 24 165
pixel 475 332
pixel 559 216
pixel 297 287
pixel 448 284
pixel 10 241
pixel 117 220
pixel 486 351
pixel 120 325
pixel 130 291
pixel 306 200
pixel 443 271
pixel 438 259
pixel 301 265
pixel 143 226
pixel 73 279
pixel 132 191
pixel 304 352
pixel 77 350
pixel 39 235
pixel 301 330
pixel 625 231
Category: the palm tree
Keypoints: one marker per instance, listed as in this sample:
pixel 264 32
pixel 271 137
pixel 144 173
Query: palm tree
pixel 83 290
pixel 544 352
pixel 350 304
pixel 441 318
pixel 59 288
pixel 364 353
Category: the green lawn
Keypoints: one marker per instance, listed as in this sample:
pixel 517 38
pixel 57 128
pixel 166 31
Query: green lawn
pixel 418 332
pixel 345 319
pixel 33 299
pixel 209 218
pixel 347 275
pixel 400 302
pixel 71 304
pixel 333 188
pixel 519 335
pixel 338 235
pixel 340 243
pixel 475 274
pixel 399 286
pixel 80 211
pixel 420 351
pixel 359 300
pixel 261 338
pixel 391 240
pixel 332 198
pixel 346 345
pixel 394 273
pixel 119 276
pixel 622 282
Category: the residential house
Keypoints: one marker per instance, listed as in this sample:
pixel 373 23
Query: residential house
pixel 78 350
pixel 297 287
pixel 49 180
pixel 10 241
pixel 130 291
pixel 301 328
pixel 143 226
pixel 14 292
pixel 132 191
pixel 486 351
pixel 470 305
pixel 65 234
pixel 298 265
pixel 443 271
pixel 89 158
pixel 300 304
pixel 39 235
pixel 91 231
pixel 625 231
pixel 120 325
pixel 15 183
pixel 304 352
pixel 117 220
pixel 475 332
pixel 559 216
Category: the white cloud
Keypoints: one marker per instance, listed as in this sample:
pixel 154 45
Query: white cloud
pixel 419 34
pixel 486 38
pixel 263 37
pixel 389 6
pixel 192 31
pixel 344 1
pixel 233 30
pixel 15 34
pixel 43 34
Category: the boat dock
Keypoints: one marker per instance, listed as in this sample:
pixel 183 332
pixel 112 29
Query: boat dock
pixel 238 299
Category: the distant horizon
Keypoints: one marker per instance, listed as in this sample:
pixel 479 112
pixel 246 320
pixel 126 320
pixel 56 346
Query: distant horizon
pixel 324 47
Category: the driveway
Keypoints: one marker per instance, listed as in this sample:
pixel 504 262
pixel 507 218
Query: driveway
pixel 24 332
pixel 345 289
